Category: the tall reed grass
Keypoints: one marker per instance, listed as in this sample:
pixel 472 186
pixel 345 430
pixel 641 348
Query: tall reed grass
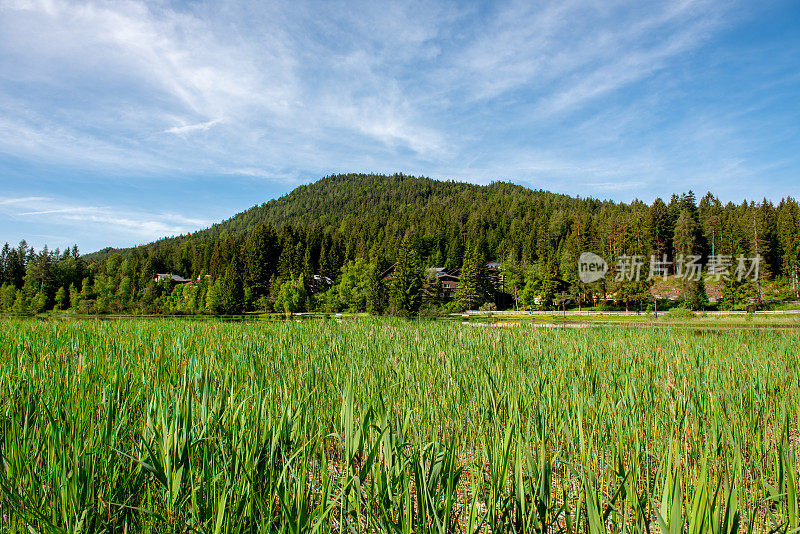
pixel 391 426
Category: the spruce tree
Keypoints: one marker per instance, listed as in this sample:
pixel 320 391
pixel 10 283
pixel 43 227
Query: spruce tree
pixel 407 280
pixel 660 228
pixel 696 297
pixel 376 291
pixel 230 292
pixel 685 243
pixel 549 283
pixel 260 258
pixel 788 229
pixel 473 282
pixel 431 288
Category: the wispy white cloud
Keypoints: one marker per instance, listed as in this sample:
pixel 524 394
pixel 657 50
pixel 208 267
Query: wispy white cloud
pixel 21 201
pixel 343 82
pixel 189 128
pixel 145 65
pixel 575 95
pixel 142 226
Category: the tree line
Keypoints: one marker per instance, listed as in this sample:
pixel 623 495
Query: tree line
pixel 328 246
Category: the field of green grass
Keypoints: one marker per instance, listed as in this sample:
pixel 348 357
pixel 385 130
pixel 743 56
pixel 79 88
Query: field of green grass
pixel 670 319
pixel 379 425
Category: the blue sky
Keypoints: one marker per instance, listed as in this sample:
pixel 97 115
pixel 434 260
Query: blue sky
pixel 125 121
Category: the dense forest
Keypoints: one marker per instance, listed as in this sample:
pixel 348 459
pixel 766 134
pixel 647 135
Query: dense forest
pixel 369 242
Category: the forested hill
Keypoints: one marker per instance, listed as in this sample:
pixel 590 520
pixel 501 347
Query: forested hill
pixel 350 228
pixel 374 206
pixel 344 217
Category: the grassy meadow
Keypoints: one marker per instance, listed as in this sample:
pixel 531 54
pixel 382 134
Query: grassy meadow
pixel 379 425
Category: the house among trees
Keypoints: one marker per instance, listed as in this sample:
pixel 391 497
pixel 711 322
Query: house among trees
pixel 449 283
pixel 163 277
pixel 319 283
pixel 450 279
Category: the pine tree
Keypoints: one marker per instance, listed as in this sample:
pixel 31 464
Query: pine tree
pixel 685 239
pixel 696 298
pixel 788 230
pixel 736 292
pixel 260 258
pixel 549 282
pixel 3 264
pixel 660 228
pixel 285 261
pixel 431 289
pixel 709 212
pixel 308 266
pixel 473 282
pixel 231 296
pixel 407 280
pixel 685 243
pixel 376 291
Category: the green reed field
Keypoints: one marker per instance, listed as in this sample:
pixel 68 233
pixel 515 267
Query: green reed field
pixel 375 425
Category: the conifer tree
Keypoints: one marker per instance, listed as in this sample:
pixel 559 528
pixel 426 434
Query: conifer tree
pixel 431 289
pixel 660 228
pixel 260 258
pixel 230 292
pixel 685 243
pixel 473 282
pixel 696 298
pixel 376 291
pixel 788 229
pixel 407 280
pixel 549 282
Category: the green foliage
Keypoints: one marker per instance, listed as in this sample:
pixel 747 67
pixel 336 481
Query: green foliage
pixel 21 304
pixel 529 296
pixel 260 254
pixel 74 296
pixel 390 426
pixel 431 290
pixel 38 303
pixel 681 313
pixel 7 295
pixel 213 299
pixel 319 228
pixel 695 297
pixel 376 291
pixel 353 288
pixel 291 297
pixel 474 283
pixel 226 295
pixel 549 284
pixel 406 281
pixel 685 240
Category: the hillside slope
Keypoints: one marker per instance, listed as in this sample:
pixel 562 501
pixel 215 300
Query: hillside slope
pixel 368 204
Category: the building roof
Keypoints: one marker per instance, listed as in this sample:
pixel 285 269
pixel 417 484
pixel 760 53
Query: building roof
pixel 173 277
